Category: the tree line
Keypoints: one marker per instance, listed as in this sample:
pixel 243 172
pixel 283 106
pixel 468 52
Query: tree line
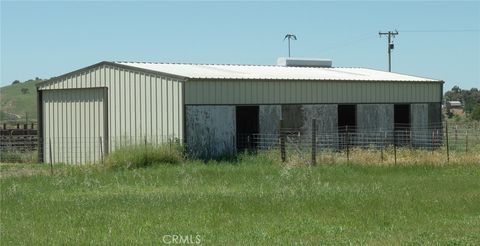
pixel 470 100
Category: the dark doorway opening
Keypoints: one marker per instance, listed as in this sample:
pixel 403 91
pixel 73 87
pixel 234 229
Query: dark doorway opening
pixel 247 127
pixel 347 117
pixel 401 119
pixel 347 124
pixel 401 115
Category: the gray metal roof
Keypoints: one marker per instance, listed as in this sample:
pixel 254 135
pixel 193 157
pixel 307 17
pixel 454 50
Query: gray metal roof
pixel 261 72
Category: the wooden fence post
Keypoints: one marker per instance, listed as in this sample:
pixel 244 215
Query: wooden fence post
pixel 448 147
pixel 395 146
pixel 466 141
pixel 50 152
pixel 101 150
pixel 456 135
pixel 314 142
pixel 283 153
pixel 383 146
pixel 433 140
pixel 347 143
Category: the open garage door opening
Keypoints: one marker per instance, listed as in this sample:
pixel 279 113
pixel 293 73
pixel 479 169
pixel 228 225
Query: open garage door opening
pixel 247 127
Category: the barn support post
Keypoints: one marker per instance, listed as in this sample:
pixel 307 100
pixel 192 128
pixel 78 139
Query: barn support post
pixel 40 127
pixel 106 135
pixel 314 142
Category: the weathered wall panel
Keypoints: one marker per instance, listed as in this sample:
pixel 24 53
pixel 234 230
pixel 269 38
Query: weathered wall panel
pixel 375 117
pixel 419 122
pixel 210 130
pixel 375 123
pixel 434 114
pixel 235 92
pixel 326 120
pixel 269 123
pixel 269 119
pixel 325 116
pixel 300 117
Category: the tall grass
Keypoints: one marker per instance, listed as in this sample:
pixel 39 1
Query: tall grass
pixel 376 156
pixel 137 156
pixel 15 156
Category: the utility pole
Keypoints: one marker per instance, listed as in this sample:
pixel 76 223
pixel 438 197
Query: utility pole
pixel 390 46
pixel 289 36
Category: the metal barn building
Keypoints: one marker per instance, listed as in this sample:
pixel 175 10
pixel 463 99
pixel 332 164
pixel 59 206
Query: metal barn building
pixel 92 111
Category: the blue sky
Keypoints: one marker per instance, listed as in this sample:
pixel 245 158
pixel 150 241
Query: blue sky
pixel 438 40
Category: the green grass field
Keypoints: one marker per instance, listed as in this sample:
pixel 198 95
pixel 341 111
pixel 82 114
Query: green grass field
pixel 249 202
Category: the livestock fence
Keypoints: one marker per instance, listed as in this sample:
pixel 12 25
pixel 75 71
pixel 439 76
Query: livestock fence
pixel 316 144
pixel 429 144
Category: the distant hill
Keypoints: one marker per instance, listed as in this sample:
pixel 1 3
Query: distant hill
pixel 18 101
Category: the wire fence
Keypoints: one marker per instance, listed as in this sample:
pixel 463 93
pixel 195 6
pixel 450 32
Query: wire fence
pixel 435 143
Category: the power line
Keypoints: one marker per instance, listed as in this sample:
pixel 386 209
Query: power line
pixel 443 30
pixel 352 41
pixel 390 46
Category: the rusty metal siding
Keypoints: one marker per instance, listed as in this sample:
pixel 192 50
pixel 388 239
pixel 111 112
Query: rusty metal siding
pixel 229 92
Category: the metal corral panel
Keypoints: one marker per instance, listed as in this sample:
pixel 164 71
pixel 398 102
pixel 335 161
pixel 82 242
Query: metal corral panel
pixel 198 92
pixel 73 125
pixel 142 105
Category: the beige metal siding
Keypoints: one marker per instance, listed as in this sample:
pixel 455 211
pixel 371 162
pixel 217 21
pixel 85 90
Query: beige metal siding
pixel 140 105
pixel 198 92
pixel 73 126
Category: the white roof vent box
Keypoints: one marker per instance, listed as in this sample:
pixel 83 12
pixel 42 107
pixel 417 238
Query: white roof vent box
pixel 303 62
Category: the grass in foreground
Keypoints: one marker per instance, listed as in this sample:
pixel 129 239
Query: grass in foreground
pixel 253 201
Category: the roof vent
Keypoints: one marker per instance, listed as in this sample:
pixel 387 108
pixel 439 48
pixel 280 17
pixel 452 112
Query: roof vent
pixel 303 62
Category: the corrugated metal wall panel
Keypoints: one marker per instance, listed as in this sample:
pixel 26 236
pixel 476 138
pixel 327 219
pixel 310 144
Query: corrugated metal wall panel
pixel 73 124
pixel 140 105
pixel 204 92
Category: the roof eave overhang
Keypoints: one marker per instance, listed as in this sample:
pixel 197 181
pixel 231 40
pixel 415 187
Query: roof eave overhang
pixel 107 63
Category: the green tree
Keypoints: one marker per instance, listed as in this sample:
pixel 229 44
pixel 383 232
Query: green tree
pixel 475 115
pixel 16 82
